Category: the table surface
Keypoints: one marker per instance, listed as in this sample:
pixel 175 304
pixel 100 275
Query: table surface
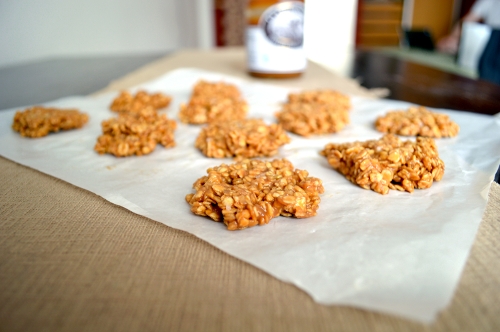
pixel 71 261
pixel 50 79
pixel 423 85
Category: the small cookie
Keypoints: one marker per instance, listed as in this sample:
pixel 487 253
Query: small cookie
pixel 387 163
pixel 126 102
pixel 241 138
pixel 39 121
pixel 330 97
pixel 213 102
pixel 252 192
pixel 308 119
pixel 136 133
pixel 315 112
pixel 417 121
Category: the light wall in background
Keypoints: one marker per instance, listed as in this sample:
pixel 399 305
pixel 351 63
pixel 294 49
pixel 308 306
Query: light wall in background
pixel 330 33
pixel 37 29
pixel 31 30
pixel 407 19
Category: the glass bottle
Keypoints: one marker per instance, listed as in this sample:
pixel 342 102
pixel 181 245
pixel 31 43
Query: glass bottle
pixel 274 38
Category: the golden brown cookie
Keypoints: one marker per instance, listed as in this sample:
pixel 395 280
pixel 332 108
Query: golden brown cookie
pixel 252 192
pixel 387 163
pixel 330 97
pixel 417 121
pixel 39 121
pixel 315 112
pixel 241 138
pixel 212 102
pixel 126 102
pixel 136 133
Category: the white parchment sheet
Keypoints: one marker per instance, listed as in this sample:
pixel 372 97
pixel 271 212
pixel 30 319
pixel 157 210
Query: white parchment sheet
pixel 400 253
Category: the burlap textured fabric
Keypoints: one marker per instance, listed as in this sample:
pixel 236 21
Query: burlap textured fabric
pixel 72 261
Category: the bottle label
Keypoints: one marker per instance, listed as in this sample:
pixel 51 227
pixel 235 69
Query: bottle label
pixel 275 45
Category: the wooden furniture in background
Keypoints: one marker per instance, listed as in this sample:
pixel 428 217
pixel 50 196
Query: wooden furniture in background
pixel 423 85
pixel 434 16
pixel 379 23
pixel 230 23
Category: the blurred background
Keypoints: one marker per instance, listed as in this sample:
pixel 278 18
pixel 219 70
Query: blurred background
pixel 33 30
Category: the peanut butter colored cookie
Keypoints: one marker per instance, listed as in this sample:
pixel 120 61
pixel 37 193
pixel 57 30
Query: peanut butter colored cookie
pixel 252 192
pixel 387 163
pixel 39 121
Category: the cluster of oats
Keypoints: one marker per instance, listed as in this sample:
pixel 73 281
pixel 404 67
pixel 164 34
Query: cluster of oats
pixel 330 97
pixel 315 112
pixel 126 102
pixel 211 102
pixel 241 138
pixel 39 121
pixel 417 121
pixel 136 133
pixel 252 192
pixel 387 163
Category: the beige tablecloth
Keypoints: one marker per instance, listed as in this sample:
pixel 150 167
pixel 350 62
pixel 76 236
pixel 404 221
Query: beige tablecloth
pixel 69 260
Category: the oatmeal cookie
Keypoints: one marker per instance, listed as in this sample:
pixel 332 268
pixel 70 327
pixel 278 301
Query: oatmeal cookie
pixel 136 133
pixel 330 97
pixel 306 119
pixel 126 102
pixel 241 138
pixel 387 163
pixel 213 102
pixel 39 121
pixel 315 112
pixel 417 121
pixel 252 192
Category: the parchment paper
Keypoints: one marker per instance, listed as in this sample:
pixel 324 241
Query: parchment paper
pixel 400 253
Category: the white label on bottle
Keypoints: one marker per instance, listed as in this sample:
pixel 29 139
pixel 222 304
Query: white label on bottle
pixel 276 44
